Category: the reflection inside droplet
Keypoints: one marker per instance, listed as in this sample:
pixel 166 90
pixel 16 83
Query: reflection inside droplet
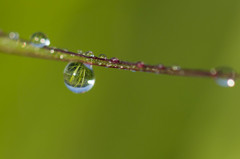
pixel 79 77
pixel 81 89
pixel 39 39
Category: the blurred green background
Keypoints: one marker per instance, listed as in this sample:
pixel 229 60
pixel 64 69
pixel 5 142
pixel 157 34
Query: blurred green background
pixel 126 115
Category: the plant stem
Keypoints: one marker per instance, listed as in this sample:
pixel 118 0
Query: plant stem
pixel 24 48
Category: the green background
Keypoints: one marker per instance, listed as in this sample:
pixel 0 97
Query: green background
pixel 126 115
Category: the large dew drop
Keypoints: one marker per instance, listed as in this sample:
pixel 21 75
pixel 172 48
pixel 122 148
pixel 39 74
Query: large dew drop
pixel 79 77
pixel 225 82
pixel 228 80
pixel 39 39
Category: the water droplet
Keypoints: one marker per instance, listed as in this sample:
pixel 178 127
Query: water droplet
pixel 225 76
pixel 79 77
pixel 61 56
pixel 79 51
pixel 140 64
pixel 213 72
pixel 115 60
pixel 102 56
pixel 13 35
pixel 89 53
pixel 52 51
pixel 39 39
pixel 176 68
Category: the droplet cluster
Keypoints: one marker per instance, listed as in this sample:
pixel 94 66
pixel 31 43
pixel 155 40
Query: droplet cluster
pixel 79 77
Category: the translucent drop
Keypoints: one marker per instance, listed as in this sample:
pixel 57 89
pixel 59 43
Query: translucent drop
pixel 102 56
pixel 13 35
pixel 176 68
pixel 79 77
pixel 52 51
pixel 115 60
pixel 40 40
pixel 228 79
pixel 89 53
pixel 61 57
pixel 79 51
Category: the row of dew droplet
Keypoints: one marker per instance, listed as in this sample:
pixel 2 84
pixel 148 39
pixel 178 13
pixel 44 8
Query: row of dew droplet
pixel 79 77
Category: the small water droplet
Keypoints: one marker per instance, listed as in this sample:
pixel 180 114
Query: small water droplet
pixel 13 35
pixel 39 39
pixel 79 77
pixel 52 51
pixel 140 64
pixel 79 51
pixel 115 60
pixel 61 56
pixel 228 76
pixel 176 68
pixel 89 53
pixel 102 56
pixel 213 72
